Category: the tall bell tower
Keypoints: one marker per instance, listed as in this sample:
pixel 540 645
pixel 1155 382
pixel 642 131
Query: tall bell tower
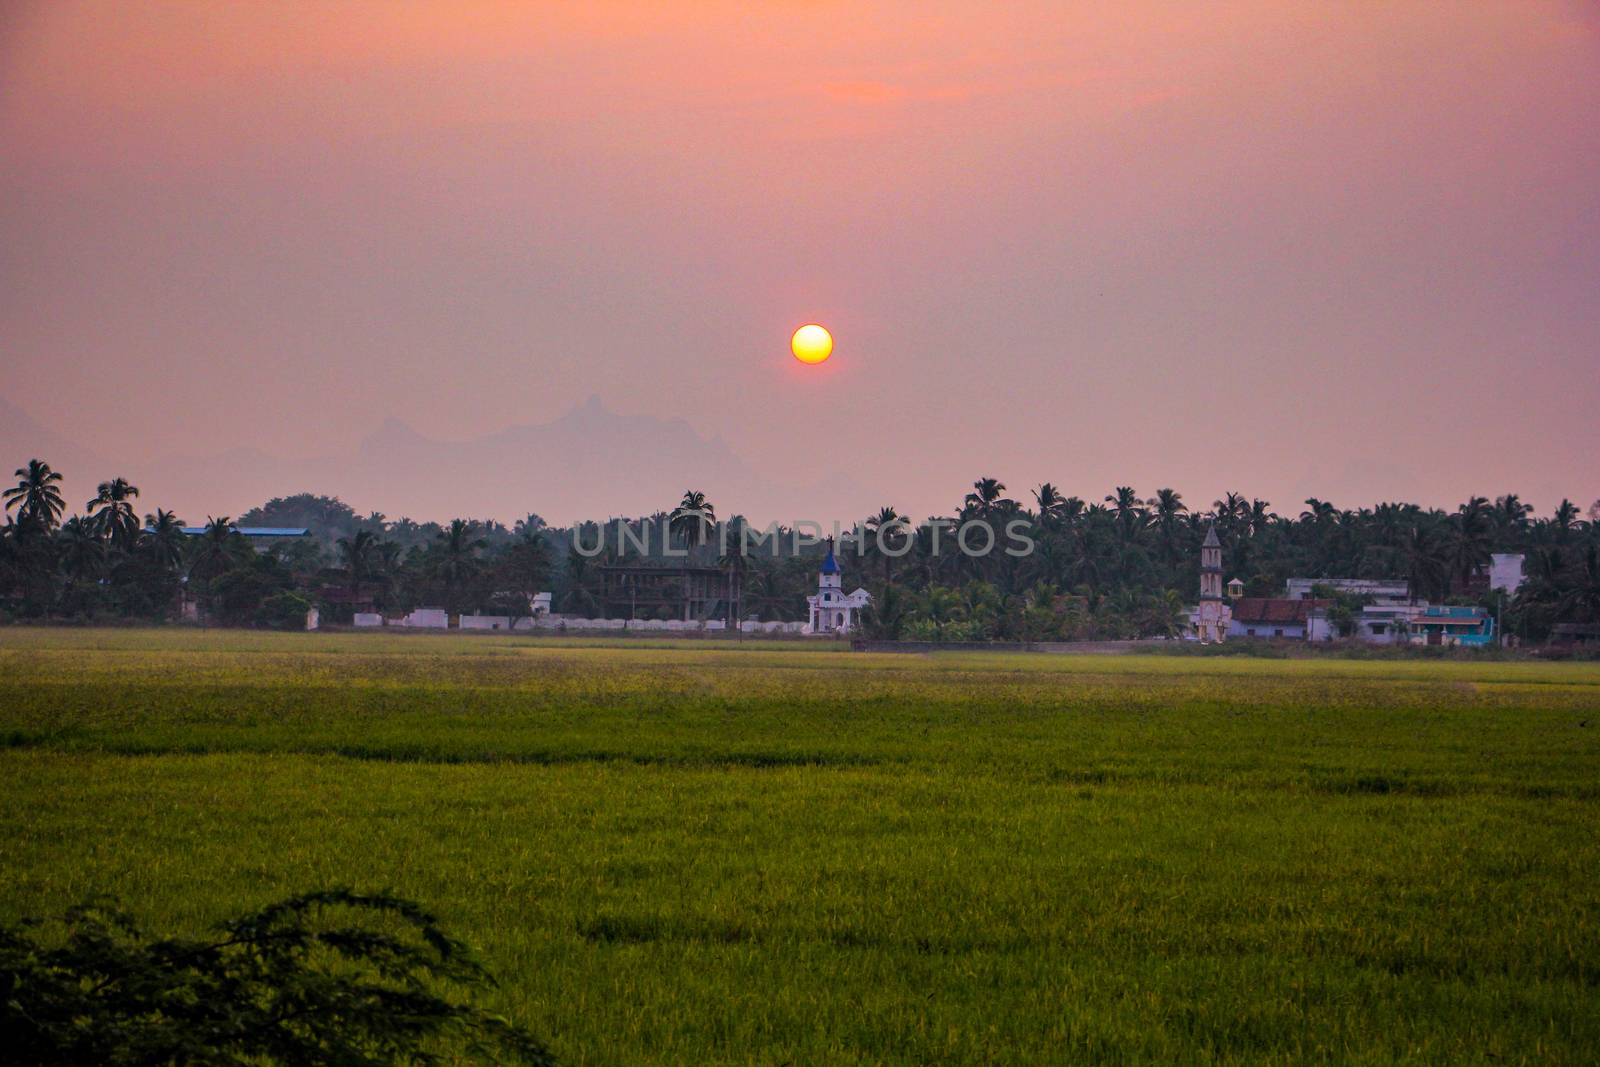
pixel 1212 617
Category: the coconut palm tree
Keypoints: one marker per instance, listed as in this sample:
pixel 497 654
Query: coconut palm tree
pixel 527 560
pixel 112 513
pixel 1546 567
pixel 988 504
pixel 456 557
pixel 163 539
pixel 1094 561
pixel 219 547
pixel 37 495
pixel 1168 508
pixel 1128 510
pixel 938 605
pixel 987 499
pixel 1318 512
pixel 694 518
pixel 1426 561
pixel 1566 520
pixel 1049 501
pixel 735 564
pixel 772 588
pixel 1168 505
pixel 81 553
pixel 1260 517
pixel 1511 515
pixel 1581 597
pixel 1470 538
pixel 359 555
pixel 1167 616
pixel 882 527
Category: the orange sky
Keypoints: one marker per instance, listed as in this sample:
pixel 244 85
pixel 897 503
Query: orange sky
pixel 1349 250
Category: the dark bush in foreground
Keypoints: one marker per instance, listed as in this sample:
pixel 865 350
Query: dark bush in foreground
pixel 332 977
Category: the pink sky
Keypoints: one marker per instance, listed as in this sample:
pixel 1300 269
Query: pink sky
pixel 1349 250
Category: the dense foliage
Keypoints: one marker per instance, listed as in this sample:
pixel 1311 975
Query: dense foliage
pixel 1121 567
pixel 287 984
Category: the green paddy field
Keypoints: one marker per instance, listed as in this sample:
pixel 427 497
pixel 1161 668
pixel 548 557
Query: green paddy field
pixel 706 854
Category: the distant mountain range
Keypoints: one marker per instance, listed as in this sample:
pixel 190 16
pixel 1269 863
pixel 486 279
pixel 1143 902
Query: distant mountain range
pixel 589 463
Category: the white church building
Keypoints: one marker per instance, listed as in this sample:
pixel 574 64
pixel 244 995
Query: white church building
pixel 832 610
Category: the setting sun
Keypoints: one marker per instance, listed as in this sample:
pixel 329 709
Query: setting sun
pixel 811 344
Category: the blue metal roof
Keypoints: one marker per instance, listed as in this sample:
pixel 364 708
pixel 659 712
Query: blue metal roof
pixel 257 531
pixel 830 565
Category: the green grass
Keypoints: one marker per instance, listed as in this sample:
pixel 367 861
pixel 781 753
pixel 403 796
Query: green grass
pixel 700 853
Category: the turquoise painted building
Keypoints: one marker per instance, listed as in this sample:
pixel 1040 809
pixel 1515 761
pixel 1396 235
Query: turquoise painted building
pixel 1452 626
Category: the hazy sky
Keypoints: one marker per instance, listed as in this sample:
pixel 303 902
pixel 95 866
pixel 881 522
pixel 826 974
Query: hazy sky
pixel 1350 250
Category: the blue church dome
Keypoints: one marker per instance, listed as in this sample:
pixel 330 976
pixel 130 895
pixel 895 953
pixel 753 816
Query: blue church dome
pixel 830 565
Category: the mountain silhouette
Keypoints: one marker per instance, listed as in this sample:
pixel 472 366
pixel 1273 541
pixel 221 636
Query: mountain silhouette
pixel 590 462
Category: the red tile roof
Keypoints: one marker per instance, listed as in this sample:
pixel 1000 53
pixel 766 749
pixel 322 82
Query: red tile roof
pixel 1274 611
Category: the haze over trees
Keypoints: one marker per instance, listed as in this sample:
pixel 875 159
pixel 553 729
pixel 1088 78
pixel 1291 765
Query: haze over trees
pixel 1124 565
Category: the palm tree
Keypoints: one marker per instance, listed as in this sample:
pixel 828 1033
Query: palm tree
pixel 1260 517
pixel 1427 566
pixel 1128 510
pixel 457 556
pixel 1318 512
pixel 879 528
pixel 1096 550
pixel 82 553
pixel 1229 508
pixel 988 504
pixel 980 604
pixel 1470 538
pixel 1167 615
pixel 1511 514
pixel 772 590
pixel 693 518
pixel 938 605
pixel 986 500
pixel 163 539
pixel 1169 507
pixel 359 553
pixel 37 495
pixel 578 597
pixel 219 547
pixel 113 516
pixel 1545 570
pixel 734 564
pixel 1049 501
pixel 1581 598
pixel 1566 520
pixel 527 560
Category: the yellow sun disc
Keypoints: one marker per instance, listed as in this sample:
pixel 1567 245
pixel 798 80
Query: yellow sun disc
pixel 811 344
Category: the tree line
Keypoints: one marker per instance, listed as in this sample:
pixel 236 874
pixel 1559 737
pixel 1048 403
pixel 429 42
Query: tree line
pixel 1121 566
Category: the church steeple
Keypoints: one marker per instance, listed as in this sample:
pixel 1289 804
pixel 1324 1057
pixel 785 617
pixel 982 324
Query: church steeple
pixel 832 611
pixel 1211 566
pixel 830 576
pixel 1213 617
